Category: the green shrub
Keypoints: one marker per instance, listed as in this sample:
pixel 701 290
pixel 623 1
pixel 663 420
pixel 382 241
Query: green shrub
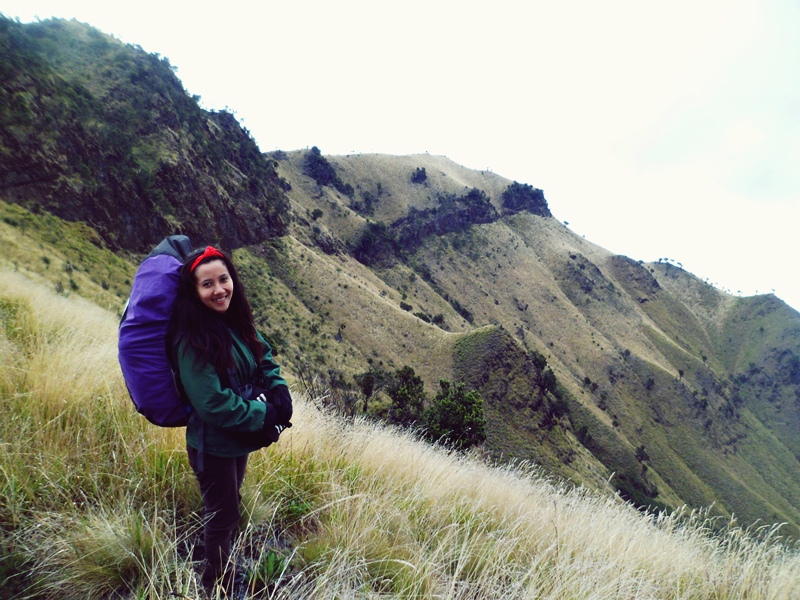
pixel 320 170
pixel 455 417
pixel 407 392
pixel 376 246
pixel 521 196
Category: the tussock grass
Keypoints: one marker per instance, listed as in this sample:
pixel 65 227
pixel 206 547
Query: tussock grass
pixel 95 502
pixel 419 522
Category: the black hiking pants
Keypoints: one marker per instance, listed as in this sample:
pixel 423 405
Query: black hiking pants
pixel 220 484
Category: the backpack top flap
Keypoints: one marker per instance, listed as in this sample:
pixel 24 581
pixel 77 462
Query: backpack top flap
pixel 175 245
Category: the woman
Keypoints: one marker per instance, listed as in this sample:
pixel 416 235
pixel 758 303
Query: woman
pixel 241 403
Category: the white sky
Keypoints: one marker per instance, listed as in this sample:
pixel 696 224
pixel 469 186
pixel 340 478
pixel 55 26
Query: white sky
pixel 656 129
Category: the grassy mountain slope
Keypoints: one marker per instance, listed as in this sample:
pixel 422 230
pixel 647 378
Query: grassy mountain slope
pixel 97 503
pixel 70 257
pixel 601 369
pixel 93 130
pixel 637 348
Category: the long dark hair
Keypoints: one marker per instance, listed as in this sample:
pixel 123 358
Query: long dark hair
pixel 207 331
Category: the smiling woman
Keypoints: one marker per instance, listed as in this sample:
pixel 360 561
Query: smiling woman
pixel 241 402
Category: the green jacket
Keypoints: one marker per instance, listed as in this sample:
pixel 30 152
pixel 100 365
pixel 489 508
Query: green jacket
pixel 230 425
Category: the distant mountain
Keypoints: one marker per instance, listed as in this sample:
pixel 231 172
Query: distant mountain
pixel 602 369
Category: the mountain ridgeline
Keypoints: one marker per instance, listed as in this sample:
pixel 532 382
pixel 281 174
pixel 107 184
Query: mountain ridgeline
pixel 608 371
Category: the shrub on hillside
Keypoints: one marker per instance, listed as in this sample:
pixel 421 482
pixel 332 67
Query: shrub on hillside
pixel 376 246
pixel 460 309
pixel 455 417
pixel 452 215
pixel 419 175
pixel 407 392
pixel 320 170
pixel 521 196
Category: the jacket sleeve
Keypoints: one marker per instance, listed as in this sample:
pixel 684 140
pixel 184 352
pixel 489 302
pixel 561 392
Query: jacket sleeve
pixel 270 370
pixel 217 404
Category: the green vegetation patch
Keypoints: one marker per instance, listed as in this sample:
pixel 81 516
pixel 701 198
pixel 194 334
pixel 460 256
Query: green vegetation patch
pixel 320 170
pixel 64 252
pixel 522 196
pixel 525 409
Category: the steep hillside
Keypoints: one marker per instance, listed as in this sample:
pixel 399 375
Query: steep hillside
pixel 603 370
pixel 96 131
pixel 648 377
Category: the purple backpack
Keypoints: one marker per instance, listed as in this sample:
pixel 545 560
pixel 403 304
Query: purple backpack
pixel 144 354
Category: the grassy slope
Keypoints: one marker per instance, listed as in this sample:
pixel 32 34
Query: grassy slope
pixel 68 255
pixel 95 502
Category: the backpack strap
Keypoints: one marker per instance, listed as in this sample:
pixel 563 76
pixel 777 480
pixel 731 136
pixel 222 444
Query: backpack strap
pixel 201 443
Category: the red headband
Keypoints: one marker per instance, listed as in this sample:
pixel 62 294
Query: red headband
pixel 209 252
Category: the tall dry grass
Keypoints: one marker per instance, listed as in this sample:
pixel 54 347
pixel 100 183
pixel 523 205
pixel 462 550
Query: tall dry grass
pixel 95 502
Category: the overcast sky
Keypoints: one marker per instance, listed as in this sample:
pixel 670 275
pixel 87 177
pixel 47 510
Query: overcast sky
pixel 656 129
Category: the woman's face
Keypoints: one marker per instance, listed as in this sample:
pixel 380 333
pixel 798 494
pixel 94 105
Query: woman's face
pixel 214 285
